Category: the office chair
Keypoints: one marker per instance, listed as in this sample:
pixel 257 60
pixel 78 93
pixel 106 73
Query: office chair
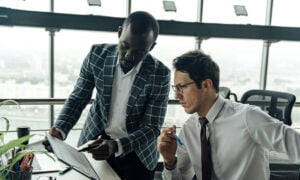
pixel 277 104
pixel 224 91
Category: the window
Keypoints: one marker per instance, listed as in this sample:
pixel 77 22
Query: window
pixel 30 5
pixel 286 13
pixel 283 72
pixel 24 63
pixel 115 8
pixel 239 62
pixel 218 11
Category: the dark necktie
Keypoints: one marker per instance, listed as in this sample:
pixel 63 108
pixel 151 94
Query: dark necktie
pixel 205 151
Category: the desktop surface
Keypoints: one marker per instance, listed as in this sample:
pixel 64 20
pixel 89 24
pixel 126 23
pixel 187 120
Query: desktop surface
pixel 102 168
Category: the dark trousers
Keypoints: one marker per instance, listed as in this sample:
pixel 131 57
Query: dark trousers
pixel 129 167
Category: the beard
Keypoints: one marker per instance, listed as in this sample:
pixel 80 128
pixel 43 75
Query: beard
pixel 127 63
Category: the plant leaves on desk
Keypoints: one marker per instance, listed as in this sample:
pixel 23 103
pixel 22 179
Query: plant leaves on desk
pixel 18 143
pixel 15 143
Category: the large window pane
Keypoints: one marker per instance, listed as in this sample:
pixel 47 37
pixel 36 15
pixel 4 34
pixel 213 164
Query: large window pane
pixel 239 61
pixel 286 13
pixel 24 73
pixel 219 11
pixel 24 63
pixel 116 8
pixel 186 10
pixel 283 72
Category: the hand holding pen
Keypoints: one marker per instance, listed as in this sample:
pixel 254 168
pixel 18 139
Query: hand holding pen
pixel 167 144
pixel 172 133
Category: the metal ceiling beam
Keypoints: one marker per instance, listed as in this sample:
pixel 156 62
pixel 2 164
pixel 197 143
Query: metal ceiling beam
pixel 12 17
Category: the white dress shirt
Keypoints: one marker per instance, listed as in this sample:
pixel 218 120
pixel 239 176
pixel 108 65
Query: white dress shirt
pixel 240 137
pixel 121 89
pixel 116 127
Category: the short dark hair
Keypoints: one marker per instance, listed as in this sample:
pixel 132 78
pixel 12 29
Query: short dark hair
pixel 199 66
pixel 145 20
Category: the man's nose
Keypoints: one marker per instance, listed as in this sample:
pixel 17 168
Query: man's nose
pixel 178 95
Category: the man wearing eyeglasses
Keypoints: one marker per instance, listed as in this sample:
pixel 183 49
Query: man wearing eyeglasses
pixel 222 139
pixel 132 89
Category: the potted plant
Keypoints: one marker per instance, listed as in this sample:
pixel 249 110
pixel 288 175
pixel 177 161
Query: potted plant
pixel 6 148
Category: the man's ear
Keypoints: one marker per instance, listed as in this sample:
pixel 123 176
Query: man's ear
pixel 152 46
pixel 207 83
pixel 120 31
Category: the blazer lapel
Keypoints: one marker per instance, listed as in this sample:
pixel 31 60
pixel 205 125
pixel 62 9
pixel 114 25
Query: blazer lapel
pixel 140 80
pixel 108 76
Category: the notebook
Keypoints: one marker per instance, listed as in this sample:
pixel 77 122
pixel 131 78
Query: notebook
pixel 41 162
pixel 70 156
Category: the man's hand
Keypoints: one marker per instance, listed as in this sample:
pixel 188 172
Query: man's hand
pixel 54 133
pixel 104 150
pixel 167 145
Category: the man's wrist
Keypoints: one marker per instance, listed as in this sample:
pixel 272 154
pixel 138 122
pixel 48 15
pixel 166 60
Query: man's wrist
pixel 115 146
pixel 170 165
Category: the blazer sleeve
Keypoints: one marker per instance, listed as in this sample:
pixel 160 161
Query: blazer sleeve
pixel 78 99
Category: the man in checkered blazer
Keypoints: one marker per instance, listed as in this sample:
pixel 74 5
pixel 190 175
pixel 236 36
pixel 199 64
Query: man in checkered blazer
pixel 132 90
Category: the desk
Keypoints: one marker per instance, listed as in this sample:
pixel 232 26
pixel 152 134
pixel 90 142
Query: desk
pixel 102 168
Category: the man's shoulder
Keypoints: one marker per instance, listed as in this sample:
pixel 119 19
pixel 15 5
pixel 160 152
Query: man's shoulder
pixel 104 47
pixel 101 51
pixel 159 65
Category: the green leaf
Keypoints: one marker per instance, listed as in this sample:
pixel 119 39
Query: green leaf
pixel 9 102
pixel 14 143
pixel 7 122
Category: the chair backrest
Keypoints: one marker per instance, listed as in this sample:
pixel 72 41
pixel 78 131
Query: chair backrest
pixel 224 91
pixel 277 104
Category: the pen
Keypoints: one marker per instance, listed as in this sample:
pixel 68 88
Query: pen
pixel 88 148
pixel 178 140
pixel 61 172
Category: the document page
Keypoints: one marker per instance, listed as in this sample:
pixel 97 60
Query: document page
pixel 72 157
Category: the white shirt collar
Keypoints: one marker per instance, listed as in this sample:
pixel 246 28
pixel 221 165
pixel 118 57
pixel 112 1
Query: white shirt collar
pixel 135 69
pixel 215 109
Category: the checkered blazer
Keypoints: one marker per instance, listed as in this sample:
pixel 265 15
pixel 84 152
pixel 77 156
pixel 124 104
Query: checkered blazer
pixel 146 107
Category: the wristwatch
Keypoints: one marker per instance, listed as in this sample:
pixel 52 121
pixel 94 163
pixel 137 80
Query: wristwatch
pixel 171 167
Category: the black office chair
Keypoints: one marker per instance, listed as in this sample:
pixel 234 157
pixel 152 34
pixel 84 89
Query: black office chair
pixel 278 104
pixel 224 91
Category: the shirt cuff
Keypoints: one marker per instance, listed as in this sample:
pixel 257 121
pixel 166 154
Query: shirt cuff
pixel 62 133
pixel 172 167
pixel 120 148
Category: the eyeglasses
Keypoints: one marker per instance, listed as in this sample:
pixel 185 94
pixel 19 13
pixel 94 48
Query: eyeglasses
pixel 179 87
